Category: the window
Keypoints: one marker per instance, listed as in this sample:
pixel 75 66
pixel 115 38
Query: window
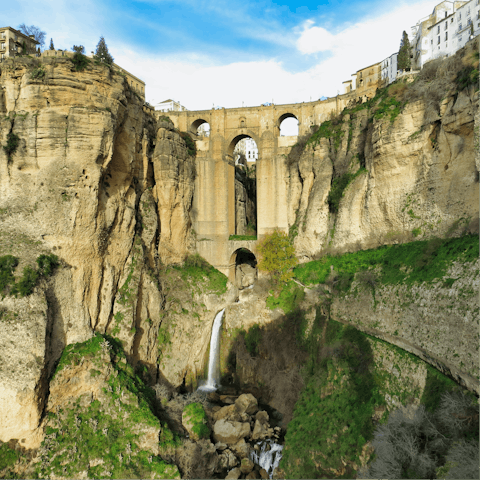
pixel 3 46
pixel 3 36
pixel 446 25
pixel 459 39
pixel 438 29
pixel 446 36
pixel 438 41
pixel 459 15
pixel 459 26
pixel 451 20
pixel 469 21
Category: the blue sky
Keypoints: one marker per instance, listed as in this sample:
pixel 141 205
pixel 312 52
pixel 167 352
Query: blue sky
pixel 229 53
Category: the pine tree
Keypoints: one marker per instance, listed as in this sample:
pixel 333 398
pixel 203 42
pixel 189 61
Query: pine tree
pixel 101 54
pixel 403 60
pixel 51 44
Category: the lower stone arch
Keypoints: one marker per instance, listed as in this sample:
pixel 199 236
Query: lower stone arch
pixel 242 270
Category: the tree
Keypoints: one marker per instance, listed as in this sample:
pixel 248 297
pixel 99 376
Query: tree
pixel 79 59
pixel 38 34
pixel 102 54
pixel 403 61
pixel 51 44
pixel 277 256
pixel 79 49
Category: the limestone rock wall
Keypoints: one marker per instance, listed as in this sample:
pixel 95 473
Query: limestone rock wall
pixel 421 175
pixel 95 181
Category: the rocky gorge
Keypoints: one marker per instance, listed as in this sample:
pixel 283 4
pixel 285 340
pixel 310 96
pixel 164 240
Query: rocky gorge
pixel 106 345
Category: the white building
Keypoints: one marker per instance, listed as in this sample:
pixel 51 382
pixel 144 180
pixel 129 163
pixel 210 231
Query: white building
pixel 169 106
pixel 445 31
pixel 389 68
pixel 248 147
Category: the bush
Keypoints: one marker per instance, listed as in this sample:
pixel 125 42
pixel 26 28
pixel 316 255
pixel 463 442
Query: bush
pixel 338 188
pixel 27 283
pixel 38 73
pixel 277 256
pixel 12 144
pixel 8 263
pixel 423 445
pixel 80 61
pixel 46 264
pixel 191 147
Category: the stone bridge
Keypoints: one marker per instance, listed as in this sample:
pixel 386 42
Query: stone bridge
pixel 213 212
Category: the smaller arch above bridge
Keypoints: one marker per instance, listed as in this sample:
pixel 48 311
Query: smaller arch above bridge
pixel 197 124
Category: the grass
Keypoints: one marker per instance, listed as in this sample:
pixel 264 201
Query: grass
pixel 242 237
pixel 195 414
pixel 196 270
pixel 109 429
pixel 408 263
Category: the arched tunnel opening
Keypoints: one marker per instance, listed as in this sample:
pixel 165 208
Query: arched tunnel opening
pixel 244 151
pixel 245 268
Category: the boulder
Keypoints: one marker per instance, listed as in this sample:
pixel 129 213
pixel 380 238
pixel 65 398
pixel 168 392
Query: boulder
pixel 228 399
pixel 241 448
pixel 252 474
pixel 227 460
pixel 200 458
pixel 261 431
pixel 263 473
pixel 230 432
pixel 246 466
pixel 262 417
pixel 220 446
pixel 233 474
pixel 228 413
pixel 246 403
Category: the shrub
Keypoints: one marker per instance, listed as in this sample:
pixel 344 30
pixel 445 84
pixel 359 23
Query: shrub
pixel 79 59
pixel 12 144
pixel 277 256
pixel 27 283
pixel 191 147
pixel 46 264
pixel 8 263
pixel 466 77
pixel 338 188
pixel 38 73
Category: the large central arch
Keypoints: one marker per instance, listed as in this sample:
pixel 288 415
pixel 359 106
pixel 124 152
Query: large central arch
pixel 213 212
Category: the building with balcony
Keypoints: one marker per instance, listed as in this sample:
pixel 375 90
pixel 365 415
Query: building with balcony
pixel 12 41
pixel 445 31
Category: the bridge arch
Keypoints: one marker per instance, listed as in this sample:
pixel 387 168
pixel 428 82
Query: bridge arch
pixel 235 138
pixel 196 124
pixel 239 275
pixel 288 122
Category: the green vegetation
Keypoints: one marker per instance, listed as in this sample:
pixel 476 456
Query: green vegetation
pixel 422 261
pixel 329 129
pixel 38 73
pixel 8 458
pixel 164 118
pixel 8 263
pixel 338 188
pixel 195 414
pixel 196 270
pixel 287 298
pixel 339 424
pixel 102 54
pixel 79 59
pixel 242 237
pixel 466 77
pixel 191 146
pixel 277 256
pixel 404 61
pixel 79 432
pixel 26 284
pixel 12 143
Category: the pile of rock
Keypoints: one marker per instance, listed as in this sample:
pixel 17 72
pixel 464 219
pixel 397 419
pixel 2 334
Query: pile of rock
pixel 236 428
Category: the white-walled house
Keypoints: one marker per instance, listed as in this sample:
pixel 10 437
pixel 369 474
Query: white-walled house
pixel 389 68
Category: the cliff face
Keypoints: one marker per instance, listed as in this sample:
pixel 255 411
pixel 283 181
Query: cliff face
pixel 421 176
pixel 78 185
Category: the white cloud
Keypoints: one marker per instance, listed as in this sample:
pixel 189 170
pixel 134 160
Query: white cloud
pixel 315 39
pixel 199 84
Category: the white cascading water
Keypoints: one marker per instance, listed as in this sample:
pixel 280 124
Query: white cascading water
pixel 212 382
pixel 269 456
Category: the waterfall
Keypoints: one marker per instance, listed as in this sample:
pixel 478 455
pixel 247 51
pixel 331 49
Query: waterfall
pixel 212 382
pixel 269 456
